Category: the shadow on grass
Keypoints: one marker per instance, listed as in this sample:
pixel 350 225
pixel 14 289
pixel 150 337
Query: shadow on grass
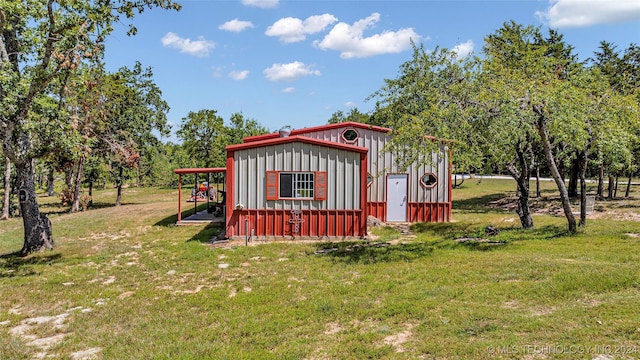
pixel 547 232
pixel 173 219
pixel 456 230
pixel 14 264
pixel 208 233
pixel 478 204
pixel 57 209
pixel 358 252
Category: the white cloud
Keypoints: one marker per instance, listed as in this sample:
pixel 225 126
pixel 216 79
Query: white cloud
pixel 291 30
pixel 291 71
pixel 350 41
pixel 350 104
pixel 289 90
pixel 236 25
pixel 265 4
pixel 239 75
pixel 463 50
pixel 577 13
pixel 199 48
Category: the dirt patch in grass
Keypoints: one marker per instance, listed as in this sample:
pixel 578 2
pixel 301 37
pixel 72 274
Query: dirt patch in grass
pixel 396 340
pixel 332 328
pixel 54 326
pixel 616 209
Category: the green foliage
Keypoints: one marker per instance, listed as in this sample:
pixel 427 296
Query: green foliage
pixel 204 137
pixel 241 128
pixel 354 116
pixel 433 96
pixel 527 96
pixel 42 45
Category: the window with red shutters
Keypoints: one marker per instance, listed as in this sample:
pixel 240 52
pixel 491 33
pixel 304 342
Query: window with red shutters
pixel 272 185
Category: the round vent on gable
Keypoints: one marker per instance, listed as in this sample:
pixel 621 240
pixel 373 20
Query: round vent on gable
pixel 350 136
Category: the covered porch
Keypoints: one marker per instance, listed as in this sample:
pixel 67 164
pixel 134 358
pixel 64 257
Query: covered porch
pixel 208 196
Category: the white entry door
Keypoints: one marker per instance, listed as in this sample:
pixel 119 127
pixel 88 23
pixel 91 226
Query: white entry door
pixel 397 197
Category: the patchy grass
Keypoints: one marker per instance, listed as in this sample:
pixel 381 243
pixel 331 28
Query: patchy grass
pixel 125 283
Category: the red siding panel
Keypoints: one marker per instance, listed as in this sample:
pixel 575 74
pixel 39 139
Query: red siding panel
pixel 314 224
pixel 377 210
pixel 429 212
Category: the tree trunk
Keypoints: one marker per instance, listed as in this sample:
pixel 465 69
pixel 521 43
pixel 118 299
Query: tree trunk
pixel 564 196
pixel 524 210
pixel 610 188
pixel 600 192
pixel 572 190
pixel 537 181
pixel 582 158
pixel 68 177
pixel 522 177
pixel 75 207
pixel 90 194
pixel 138 175
pixel 628 191
pixel 37 227
pixel 457 184
pixel 7 188
pixel 119 186
pixel 50 180
pixel 615 190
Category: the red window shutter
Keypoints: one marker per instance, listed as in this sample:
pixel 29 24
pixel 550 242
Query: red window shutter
pixel 321 185
pixel 272 185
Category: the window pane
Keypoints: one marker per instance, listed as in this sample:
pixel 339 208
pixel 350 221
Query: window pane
pixel 286 186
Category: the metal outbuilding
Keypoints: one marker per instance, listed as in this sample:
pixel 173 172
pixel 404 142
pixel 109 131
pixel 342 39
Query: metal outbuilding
pixel 324 181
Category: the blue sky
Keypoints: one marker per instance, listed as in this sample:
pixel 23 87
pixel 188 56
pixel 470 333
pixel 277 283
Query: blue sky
pixel 297 62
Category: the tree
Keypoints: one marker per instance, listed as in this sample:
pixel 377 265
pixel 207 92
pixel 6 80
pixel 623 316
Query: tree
pixel 41 42
pixel 527 96
pixel 618 142
pixel 241 127
pixel 537 76
pixel 7 189
pixel 204 137
pixel 433 95
pixel 354 116
pixel 134 109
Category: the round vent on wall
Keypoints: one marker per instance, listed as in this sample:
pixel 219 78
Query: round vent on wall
pixel 350 136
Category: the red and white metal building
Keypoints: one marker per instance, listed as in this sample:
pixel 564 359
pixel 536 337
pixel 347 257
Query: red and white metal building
pixel 323 182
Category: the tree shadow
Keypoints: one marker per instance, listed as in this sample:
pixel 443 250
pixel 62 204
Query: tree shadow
pixel 547 232
pixel 359 252
pixel 478 204
pixel 450 228
pixel 57 209
pixel 16 265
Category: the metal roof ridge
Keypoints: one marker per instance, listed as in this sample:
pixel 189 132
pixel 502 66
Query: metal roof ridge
pixel 296 138
pixel 318 128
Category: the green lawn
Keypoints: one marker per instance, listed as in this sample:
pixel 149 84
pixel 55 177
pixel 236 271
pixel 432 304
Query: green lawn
pixel 124 283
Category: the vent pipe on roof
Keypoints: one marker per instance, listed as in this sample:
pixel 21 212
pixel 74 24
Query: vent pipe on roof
pixel 285 131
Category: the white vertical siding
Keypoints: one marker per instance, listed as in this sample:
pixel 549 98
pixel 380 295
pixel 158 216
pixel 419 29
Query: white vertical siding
pixel 342 167
pixel 382 163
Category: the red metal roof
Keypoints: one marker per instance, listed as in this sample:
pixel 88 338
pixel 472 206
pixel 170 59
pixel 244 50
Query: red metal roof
pixel 305 139
pixel 318 128
pixel 199 170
